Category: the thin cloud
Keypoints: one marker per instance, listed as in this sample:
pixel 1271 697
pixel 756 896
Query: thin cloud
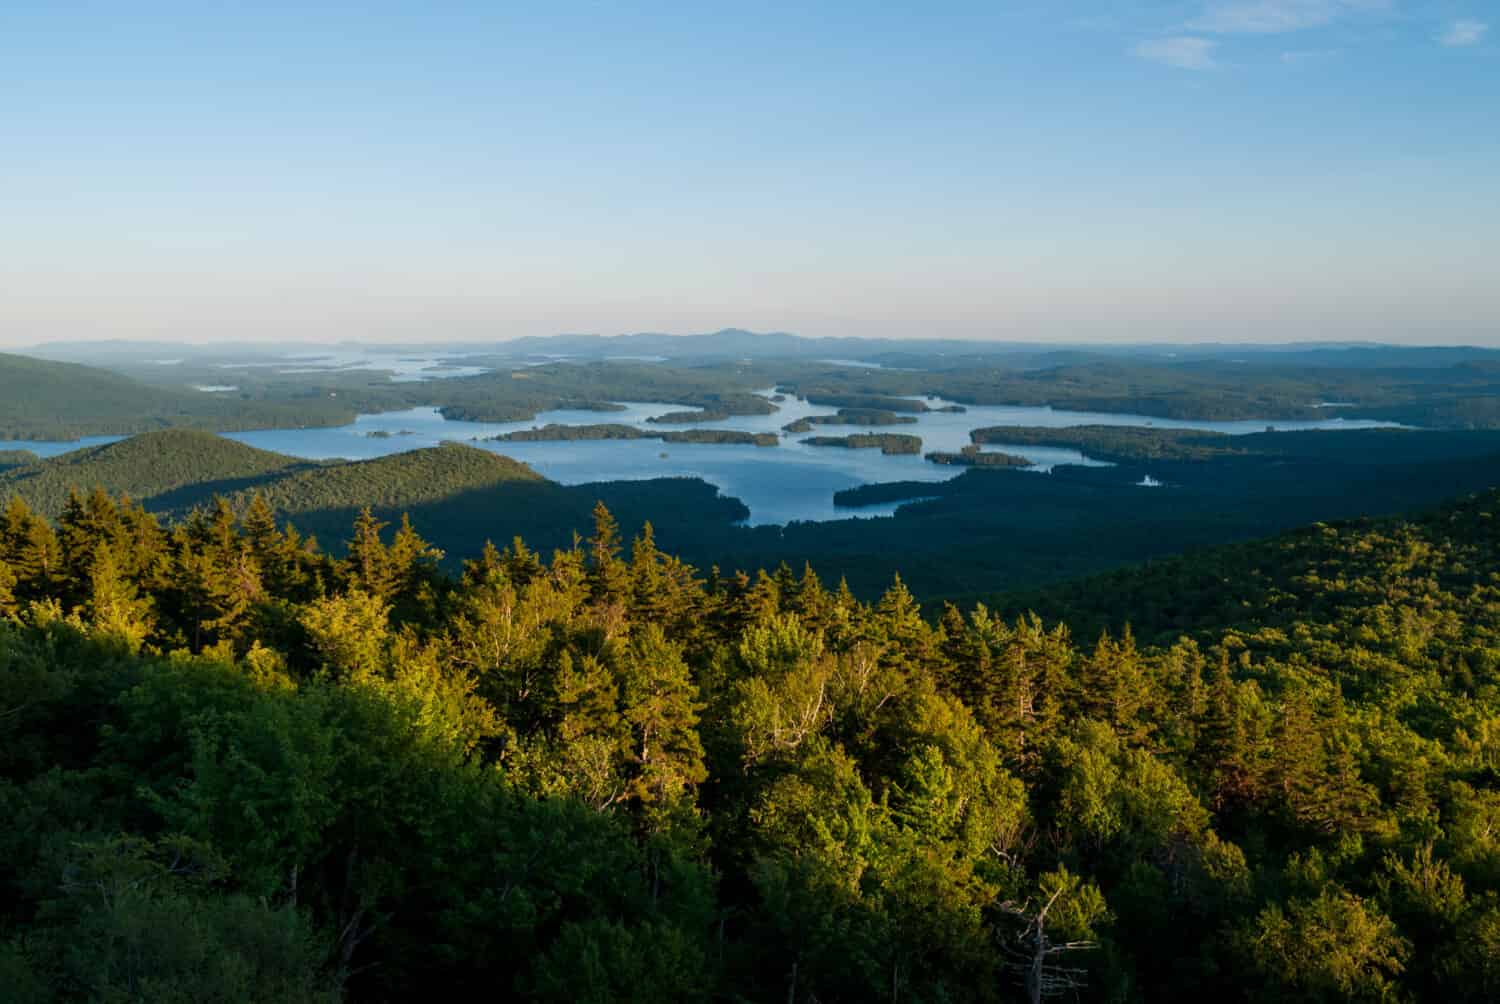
pixel 1464 32
pixel 1273 17
pixel 1184 52
pixel 1303 57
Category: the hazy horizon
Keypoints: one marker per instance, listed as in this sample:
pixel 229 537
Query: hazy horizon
pixel 479 343
pixel 1230 171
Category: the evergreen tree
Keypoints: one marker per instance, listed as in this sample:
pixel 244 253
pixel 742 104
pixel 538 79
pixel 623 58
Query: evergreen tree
pixel 367 563
pixel 609 576
pixel 1223 753
pixel 660 703
pixel 114 608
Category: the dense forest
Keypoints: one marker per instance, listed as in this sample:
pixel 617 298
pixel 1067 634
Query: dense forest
pixel 972 456
pixel 240 768
pixel 454 493
pixel 988 530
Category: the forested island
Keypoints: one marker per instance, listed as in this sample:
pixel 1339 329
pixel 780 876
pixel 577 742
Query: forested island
pixel 972 456
pixel 1123 443
pixel 886 442
pixel 860 416
pixel 570 433
pixel 241 768
pixel 850 416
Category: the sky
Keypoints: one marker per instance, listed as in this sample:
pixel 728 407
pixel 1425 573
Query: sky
pixel 1246 170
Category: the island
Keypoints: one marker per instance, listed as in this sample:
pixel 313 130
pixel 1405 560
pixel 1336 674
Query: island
pixel 604 431
pixel 970 456
pixel 891 444
pixel 1123 444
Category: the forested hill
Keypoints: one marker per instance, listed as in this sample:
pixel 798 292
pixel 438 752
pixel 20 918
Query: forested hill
pixel 151 466
pixel 240 769
pixel 41 400
pixel 410 478
pixel 455 494
pixel 1390 573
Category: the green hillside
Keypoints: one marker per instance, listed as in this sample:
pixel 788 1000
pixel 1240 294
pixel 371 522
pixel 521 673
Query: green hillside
pixel 459 496
pixel 46 400
pixel 401 479
pixel 166 470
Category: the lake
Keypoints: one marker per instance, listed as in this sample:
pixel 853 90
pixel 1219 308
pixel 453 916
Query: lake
pixel 779 484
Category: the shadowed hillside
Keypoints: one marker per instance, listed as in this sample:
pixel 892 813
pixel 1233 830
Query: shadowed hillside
pixel 182 465
pixel 458 496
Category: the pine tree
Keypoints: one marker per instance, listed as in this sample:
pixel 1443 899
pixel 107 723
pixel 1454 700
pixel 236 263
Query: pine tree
pixel 413 569
pixel 85 525
pixel 1298 762
pixel 368 564
pixel 661 706
pixel 521 563
pixel 762 601
pixel 1222 754
pixel 267 545
pixel 31 549
pixel 810 601
pixel 115 610
pixel 609 578
pixel 648 589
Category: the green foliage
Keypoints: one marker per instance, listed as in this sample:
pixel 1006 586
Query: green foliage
pixel 147 467
pixel 1334 947
pixel 240 768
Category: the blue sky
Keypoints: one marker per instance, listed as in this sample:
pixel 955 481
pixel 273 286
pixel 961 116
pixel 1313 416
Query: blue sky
pixel 1243 170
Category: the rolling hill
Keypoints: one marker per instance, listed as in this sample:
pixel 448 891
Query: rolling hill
pixel 167 470
pixel 46 400
pixel 457 496
pixel 40 399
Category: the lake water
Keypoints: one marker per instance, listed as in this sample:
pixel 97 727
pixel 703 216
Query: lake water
pixel 779 484
pixel 403 367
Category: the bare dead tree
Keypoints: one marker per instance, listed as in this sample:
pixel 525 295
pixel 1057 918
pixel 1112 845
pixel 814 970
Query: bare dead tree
pixel 1037 959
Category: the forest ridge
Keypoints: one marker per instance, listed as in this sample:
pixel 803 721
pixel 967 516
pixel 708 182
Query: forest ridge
pixel 241 768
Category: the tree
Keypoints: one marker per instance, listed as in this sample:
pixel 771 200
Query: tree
pixel 1222 753
pixel 1038 956
pixel 115 609
pixel 1333 947
pixel 31 550
pixel 609 578
pixel 368 564
pixel 8 605
pixel 660 703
